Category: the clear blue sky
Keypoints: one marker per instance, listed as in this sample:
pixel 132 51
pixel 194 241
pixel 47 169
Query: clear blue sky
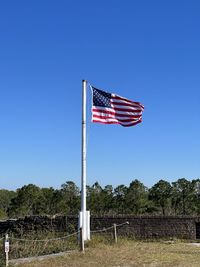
pixel 147 51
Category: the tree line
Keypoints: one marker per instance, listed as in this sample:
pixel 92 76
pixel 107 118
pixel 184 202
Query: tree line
pixel 181 197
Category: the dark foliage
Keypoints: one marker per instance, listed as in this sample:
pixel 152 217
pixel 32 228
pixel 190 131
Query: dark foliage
pixel 181 197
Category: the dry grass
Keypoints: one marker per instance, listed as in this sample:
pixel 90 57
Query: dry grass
pixel 128 253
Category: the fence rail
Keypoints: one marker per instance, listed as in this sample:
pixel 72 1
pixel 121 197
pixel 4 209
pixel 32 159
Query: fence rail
pixel 44 240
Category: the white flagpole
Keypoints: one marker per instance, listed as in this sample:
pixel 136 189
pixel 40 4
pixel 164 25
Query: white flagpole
pixel 82 216
pixel 83 166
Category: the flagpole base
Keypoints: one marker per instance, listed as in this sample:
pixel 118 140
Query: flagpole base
pixel 84 223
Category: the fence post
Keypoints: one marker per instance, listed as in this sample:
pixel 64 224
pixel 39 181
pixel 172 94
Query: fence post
pixel 115 232
pixel 6 248
pixel 82 247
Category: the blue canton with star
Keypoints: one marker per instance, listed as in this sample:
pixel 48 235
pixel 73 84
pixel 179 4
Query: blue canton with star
pixel 101 98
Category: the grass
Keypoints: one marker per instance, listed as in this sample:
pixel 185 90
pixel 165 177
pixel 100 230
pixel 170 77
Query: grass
pixel 127 253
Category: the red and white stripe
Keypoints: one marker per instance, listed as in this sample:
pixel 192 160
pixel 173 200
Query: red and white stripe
pixel 123 111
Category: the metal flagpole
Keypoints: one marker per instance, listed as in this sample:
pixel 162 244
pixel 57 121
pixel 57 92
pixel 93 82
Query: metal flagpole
pixel 83 167
pixel 84 217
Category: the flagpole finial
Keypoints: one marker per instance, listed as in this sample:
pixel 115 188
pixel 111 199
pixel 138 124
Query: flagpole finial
pixel 84 80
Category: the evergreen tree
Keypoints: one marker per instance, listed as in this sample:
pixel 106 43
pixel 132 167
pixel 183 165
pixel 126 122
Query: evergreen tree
pixel 27 201
pixel 182 195
pixel 70 198
pixel 5 199
pixel 95 203
pixel 160 194
pixel 120 199
pixel 137 198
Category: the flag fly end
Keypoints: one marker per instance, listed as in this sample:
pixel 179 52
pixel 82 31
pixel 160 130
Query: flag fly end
pixel 109 108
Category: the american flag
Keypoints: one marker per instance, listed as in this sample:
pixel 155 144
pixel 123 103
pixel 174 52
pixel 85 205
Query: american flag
pixel 109 108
